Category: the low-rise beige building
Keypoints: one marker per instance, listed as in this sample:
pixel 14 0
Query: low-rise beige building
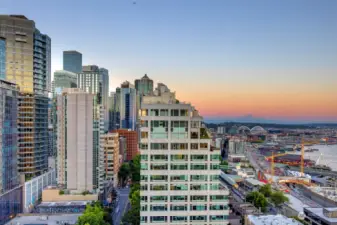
pixel 110 145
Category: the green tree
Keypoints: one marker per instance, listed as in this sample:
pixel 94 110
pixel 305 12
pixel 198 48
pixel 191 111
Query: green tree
pixel 135 198
pixel 123 173
pixel 135 169
pixel 278 198
pixel 258 200
pixel 93 215
pixel 266 190
pixel 132 217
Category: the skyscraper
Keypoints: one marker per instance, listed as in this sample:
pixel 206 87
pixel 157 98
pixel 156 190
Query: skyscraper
pixel 78 160
pixel 72 61
pixel 9 177
pixel 89 80
pixel 114 109
pixel 128 106
pixel 28 60
pixel 179 166
pixel 144 86
pixel 64 79
pixel 104 78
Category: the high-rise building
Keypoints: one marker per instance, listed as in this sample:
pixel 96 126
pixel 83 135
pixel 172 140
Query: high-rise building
pixel 64 79
pixel 114 109
pixel 28 60
pixel 110 145
pixel 72 61
pixel 128 106
pixel 80 164
pixel 221 130
pixel 179 167
pixel 104 78
pixel 2 58
pixel 144 86
pixel 131 142
pixel 9 177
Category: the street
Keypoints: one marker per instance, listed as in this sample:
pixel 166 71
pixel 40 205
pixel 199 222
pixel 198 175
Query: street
pixel 121 205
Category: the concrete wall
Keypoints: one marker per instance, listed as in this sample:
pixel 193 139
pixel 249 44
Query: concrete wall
pixel 323 201
pixel 52 195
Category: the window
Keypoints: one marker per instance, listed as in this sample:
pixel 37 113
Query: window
pixel 215 186
pixel 179 146
pixel 158 198
pixel 218 207
pixel 194 146
pixel 174 112
pixel 179 157
pixel 218 218
pixel 143 198
pixel 143 187
pixel 143 208
pixel 198 177
pixel 178 207
pixel 215 157
pixel 158 187
pixel 158 208
pixel 194 135
pixel 144 134
pixel 159 166
pixel 143 177
pixel 214 177
pixel 144 112
pixel 198 198
pixel 158 157
pixel 183 112
pixel 143 166
pixel 198 166
pixel 215 166
pixel 178 219
pixel 179 178
pixel 198 218
pixel 198 157
pixel 143 157
pixel 143 146
pixel 144 123
pixel 158 219
pixel 198 187
pixel 154 112
pixel 218 198
pixel 179 166
pixel 158 178
pixel 159 129
pixel 179 187
pixel 164 112
pixel 178 198
pixel 194 124
pixel 179 129
pixel 203 145
pixel 143 219
pixel 198 207
pixel 159 146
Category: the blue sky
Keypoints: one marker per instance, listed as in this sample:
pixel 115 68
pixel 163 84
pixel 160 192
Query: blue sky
pixel 212 44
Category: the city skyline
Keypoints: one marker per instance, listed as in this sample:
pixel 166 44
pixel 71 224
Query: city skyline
pixel 272 60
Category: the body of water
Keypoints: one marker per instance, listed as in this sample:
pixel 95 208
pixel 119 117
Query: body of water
pixel 328 158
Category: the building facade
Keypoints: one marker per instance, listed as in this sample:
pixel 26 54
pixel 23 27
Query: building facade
pixel 64 79
pixel 144 86
pixel 76 166
pixel 28 60
pixel 104 78
pixel 72 61
pixel 131 139
pixel 114 109
pixel 128 106
pixel 110 145
pixel 2 58
pixel 179 168
pixel 9 177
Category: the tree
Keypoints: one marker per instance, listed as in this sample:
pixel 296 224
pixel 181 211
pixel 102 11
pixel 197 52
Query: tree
pixel 132 217
pixel 135 169
pixel 258 200
pixel 278 198
pixel 93 215
pixel 266 190
pixel 135 198
pixel 123 173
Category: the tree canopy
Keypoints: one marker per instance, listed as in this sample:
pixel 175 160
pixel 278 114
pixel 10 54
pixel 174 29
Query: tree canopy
pixel 123 173
pixel 135 169
pixel 266 190
pixel 257 199
pixel 278 198
pixel 93 215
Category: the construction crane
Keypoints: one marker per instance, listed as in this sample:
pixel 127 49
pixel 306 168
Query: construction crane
pixel 302 159
pixel 277 155
pixel 272 168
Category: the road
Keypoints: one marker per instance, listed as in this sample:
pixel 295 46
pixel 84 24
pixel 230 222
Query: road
pixel 121 205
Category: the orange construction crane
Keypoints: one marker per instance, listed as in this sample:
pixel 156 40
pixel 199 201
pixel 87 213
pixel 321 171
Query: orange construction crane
pixel 277 155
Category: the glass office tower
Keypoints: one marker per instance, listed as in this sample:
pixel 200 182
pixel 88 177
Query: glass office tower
pixel 72 61
pixel 144 86
pixel 2 58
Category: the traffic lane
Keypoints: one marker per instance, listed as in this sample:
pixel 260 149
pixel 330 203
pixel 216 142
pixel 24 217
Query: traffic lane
pixel 121 205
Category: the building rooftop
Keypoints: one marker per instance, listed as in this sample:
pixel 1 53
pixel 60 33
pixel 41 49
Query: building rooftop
pixel 271 219
pixel 70 203
pixel 319 212
pixel 327 192
pixel 44 219
pixel 254 182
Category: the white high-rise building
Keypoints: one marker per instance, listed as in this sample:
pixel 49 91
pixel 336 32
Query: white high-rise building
pixel 79 163
pixel 179 167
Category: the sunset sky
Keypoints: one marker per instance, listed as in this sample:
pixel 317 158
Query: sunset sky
pixel 270 59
